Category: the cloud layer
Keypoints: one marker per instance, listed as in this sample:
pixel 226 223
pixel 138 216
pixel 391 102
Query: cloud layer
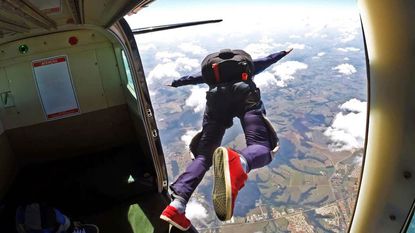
pixel 286 70
pixel 197 98
pixel 172 65
pixel 265 79
pixel 280 75
pixel 192 48
pixel 347 131
pixel 188 136
pixel 195 210
pixel 345 68
pixel 349 49
pixel 257 50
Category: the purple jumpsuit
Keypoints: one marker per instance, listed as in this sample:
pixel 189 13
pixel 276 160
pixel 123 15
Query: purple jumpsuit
pixel 223 103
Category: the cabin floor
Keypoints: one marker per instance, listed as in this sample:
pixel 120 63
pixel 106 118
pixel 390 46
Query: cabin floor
pixel 114 189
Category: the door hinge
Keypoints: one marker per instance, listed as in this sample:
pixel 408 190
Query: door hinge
pixel 154 133
pixel 149 113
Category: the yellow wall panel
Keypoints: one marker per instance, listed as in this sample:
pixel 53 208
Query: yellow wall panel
pixel 108 69
pixel 4 86
pixel 93 68
pixel 28 109
pixel 49 44
pixel 87 80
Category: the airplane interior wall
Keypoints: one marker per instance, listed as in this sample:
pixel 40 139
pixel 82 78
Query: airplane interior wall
pixel 7 163
pixel 132 102
pixel 104 119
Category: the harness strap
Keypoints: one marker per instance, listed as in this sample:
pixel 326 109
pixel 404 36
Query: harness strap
pixel 215 68
pixel 244 76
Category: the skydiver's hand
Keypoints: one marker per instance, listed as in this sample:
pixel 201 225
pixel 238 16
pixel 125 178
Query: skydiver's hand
pixel 287 51
pixel 172 84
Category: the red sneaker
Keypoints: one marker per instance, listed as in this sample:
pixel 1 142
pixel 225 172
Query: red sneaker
pixel 172 216
pixel 229 179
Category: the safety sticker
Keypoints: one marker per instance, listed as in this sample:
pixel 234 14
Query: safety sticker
pixel 55 87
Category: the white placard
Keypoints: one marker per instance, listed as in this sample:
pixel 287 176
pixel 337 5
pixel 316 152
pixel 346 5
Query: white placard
pixel 48 6
pixel 55 87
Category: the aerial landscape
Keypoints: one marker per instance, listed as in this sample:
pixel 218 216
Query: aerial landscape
pixel 315 97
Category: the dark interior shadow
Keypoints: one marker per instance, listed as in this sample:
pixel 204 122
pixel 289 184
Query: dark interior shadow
pixel 97 188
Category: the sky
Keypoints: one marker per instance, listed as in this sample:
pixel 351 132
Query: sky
pixel 173 11
pixel 265 15
pixel 204 3
pixel 242 17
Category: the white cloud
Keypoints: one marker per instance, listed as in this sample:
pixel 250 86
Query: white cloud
pixel 319 55
pixel 345 69
pixel 348 37
pixel 286 45
pixel 145 47
pixel 184 64
pixel 163 71
pixel 262 19
pixel 220 39
pixel 172 66
pixel 265 79
pixel 358 160
pixel 354 105
pixel 295 46
pixel 266 40
pixel 349 32
pixel 286 70
pixel 257 50
pixel 347 131
pixel 348 49
pixel 282 73
pixel 166 56
pixel 295 37
pixel 192 48
pixel 346 59
pixel 195 210
pixel 188 136
pixel 316 29
pixel 197 98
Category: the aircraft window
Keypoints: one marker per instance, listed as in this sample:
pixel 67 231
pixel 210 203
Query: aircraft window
pixel 130 83
pixel 411 227
pixel 316 97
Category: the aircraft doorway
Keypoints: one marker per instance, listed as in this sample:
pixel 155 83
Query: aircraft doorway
pixel 316 98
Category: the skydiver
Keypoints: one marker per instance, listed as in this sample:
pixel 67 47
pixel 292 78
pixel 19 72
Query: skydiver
pixel 232 93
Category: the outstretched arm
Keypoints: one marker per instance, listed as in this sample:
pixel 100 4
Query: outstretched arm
pixel 262 63
pixel 188 80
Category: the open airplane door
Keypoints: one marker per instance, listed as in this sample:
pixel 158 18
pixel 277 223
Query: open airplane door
pixel 142 96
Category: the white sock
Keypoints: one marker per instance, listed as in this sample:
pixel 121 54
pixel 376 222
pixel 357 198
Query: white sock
pixel 244 163
pixel 179 203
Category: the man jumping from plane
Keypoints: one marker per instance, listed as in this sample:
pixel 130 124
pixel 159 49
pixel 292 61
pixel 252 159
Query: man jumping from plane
pixel 232 93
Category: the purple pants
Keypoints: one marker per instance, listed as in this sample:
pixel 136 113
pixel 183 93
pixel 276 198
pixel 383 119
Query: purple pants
pixel 219 113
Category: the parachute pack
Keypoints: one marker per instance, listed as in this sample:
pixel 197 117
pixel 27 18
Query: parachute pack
pixel 227 66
